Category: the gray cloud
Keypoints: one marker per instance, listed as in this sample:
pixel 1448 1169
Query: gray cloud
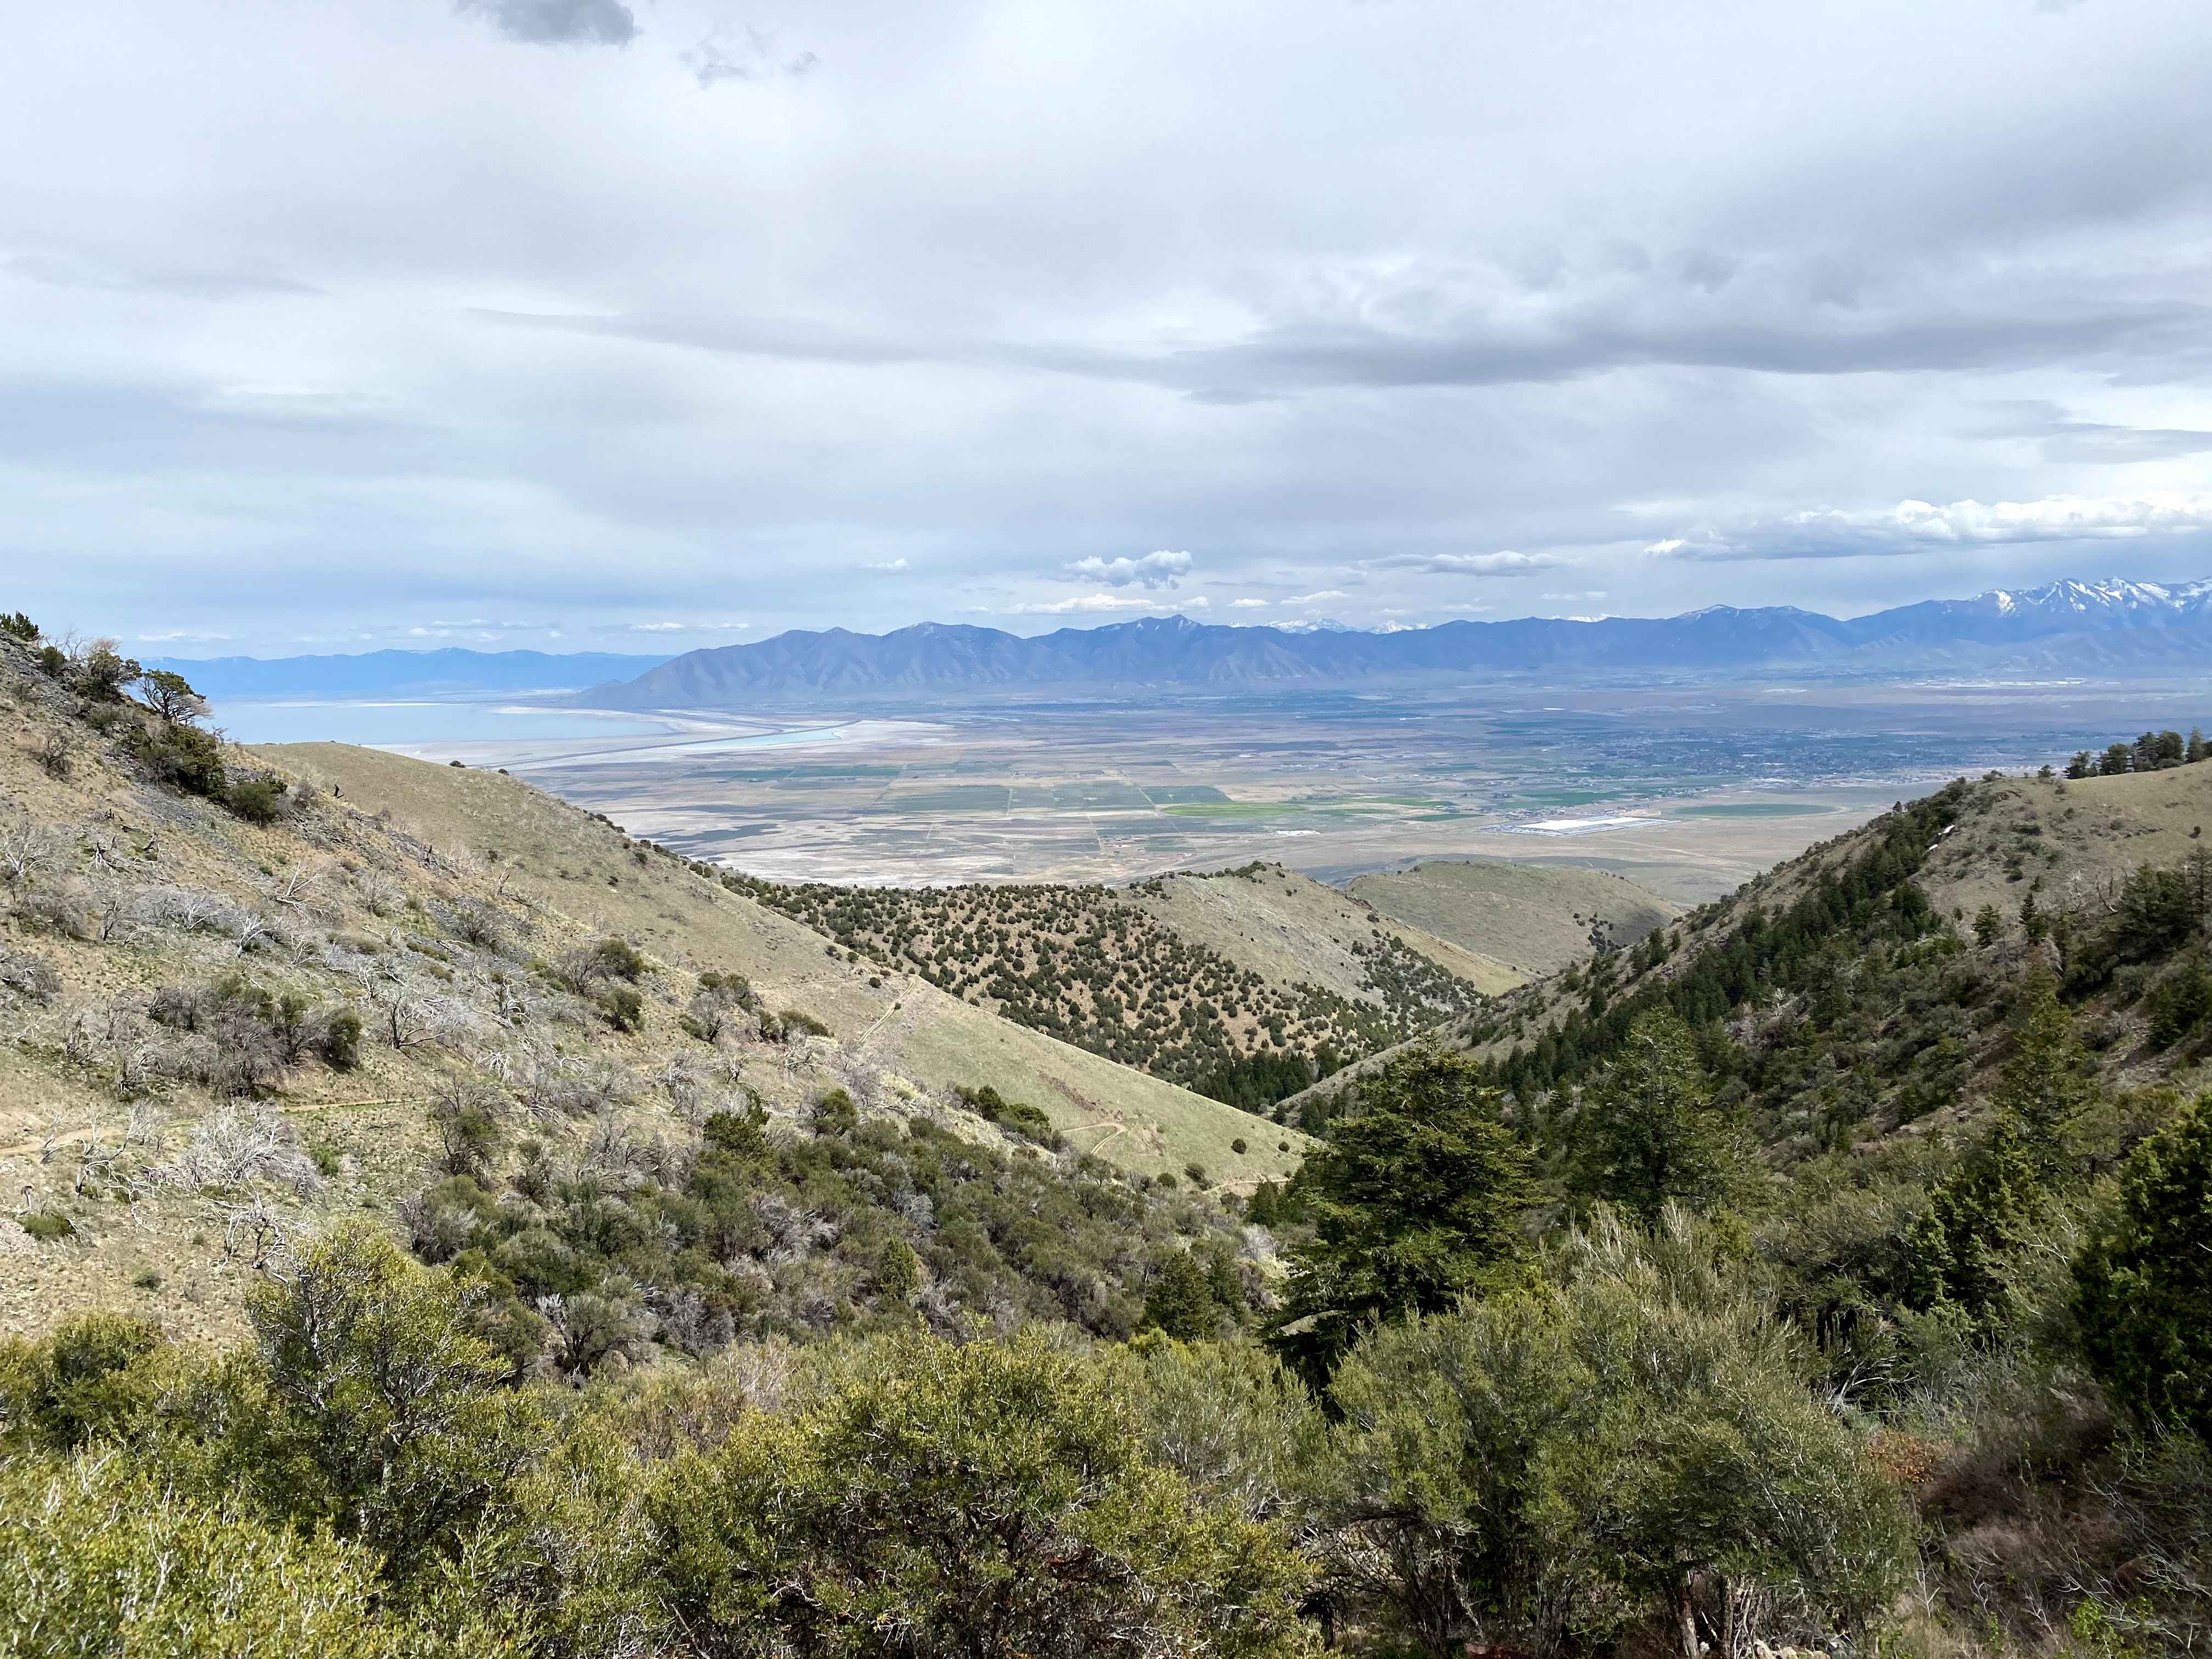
pixel 558 22
pixel 2094 443
pixel 1911 528
pixel 67 270
pixel 1506 563
pixel 1153 570
pixel 747 54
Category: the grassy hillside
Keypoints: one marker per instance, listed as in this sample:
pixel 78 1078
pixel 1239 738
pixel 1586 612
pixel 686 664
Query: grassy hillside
pixel 1241 985
pixel 1531 918
pixel 235 1008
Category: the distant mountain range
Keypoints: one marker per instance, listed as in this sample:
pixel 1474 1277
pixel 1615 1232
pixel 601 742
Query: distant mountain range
pixel 2107 628
pixel 415 673
pixel 2068 628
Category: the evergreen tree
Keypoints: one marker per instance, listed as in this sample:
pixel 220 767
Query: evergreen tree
pixel 1415 1202
pixel 1988 924
pixel 1962 1247
pixel 1648 1132
pixel 1180 1302
pixel 2047 1083
pixel 2145 1279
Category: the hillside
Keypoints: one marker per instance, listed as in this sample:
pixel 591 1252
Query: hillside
pixel 349 975
pixel 1241 985
pixel 1533 919
pixel 1860 991
pixel 2121 628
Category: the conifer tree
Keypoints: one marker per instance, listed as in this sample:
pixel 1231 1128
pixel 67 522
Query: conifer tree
pixel 1649 1132
pixel 1416 1201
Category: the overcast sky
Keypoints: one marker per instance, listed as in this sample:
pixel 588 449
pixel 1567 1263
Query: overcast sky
pixel 638 325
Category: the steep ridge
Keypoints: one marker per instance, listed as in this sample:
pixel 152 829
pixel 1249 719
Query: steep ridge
pixel 1859 991
pixel 229 1013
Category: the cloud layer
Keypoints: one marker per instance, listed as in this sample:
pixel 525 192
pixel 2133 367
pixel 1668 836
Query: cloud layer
pixel 1918 527
pixel 580 318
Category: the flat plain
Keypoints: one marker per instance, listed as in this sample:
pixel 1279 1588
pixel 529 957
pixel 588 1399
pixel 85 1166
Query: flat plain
pixel 1687 790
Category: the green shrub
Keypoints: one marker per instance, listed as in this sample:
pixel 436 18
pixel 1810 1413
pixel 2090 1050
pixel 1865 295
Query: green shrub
pixel 86 1380
pixel 620 959
pixel 623 1007
pixel 17 626
pixel 47 1225
pixel 97 1559
pixel 183 757
pixel 338 1040
pixel 258 800
pixel 1604 1453
pixel 878 1488
pixel 1018 1116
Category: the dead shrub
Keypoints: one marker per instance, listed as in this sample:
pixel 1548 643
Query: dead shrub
pixel 232 1147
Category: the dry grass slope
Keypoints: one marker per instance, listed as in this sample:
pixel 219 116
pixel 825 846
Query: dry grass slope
pixel 1530 919
pixel 179 1131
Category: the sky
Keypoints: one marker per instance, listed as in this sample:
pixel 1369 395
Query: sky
pixel 645 324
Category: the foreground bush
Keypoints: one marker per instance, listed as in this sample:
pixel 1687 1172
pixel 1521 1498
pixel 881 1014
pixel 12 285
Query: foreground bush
pixel 983 1500
pixel 1632 1442
pixel 96 1560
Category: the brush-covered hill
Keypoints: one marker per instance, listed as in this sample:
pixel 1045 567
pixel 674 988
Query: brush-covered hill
pixel 1860 990
pixel 243 991
pixel 1243 985
pixel 1532 919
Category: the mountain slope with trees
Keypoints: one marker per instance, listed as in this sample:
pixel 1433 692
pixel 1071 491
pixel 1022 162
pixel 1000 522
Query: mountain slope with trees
pixel 1244 985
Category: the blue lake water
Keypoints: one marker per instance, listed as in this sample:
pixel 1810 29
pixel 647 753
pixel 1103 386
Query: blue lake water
pixel 294 721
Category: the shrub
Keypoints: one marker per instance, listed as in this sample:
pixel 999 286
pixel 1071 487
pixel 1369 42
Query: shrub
pixel 86 1381
pixel 47 1227
pixel 258 800
pixel 877 1487
pixel 1634 1438
pixel 620 958
pixel 1018 1116
pixel 183 757
pixel 623 1007
pixel 17 626
pixel 97 1558
pixel 102 672
pixel 338 1040
pixel 53 754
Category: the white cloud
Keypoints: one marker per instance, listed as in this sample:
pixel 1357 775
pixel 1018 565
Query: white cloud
pixel 1154 570
pixel 1587 593
pixel 1920 526
pixel 1248 604
pixel 1088 604
pixel 1316 599
pixel 1505 563
pixel 888 564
